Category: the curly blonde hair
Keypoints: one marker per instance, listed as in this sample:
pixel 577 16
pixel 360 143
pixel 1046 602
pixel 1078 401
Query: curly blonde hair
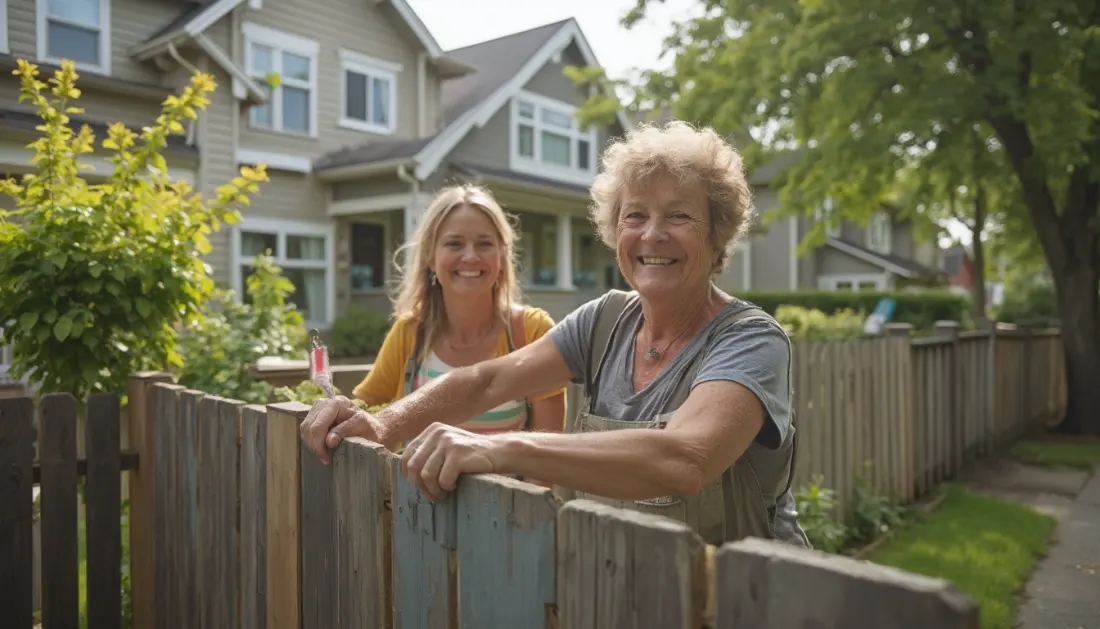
pixel 694 157
pixel 416 298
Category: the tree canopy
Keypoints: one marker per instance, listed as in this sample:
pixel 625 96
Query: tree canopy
pixel 884 102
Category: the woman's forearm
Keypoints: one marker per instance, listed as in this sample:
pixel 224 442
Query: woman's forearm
pixel 630 464
pixel 445 400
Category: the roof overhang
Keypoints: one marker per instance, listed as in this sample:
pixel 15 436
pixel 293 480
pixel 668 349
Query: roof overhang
pixel 884 263
pixel 368 169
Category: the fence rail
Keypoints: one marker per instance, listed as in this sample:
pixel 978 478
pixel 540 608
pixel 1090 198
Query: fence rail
pixel 233 525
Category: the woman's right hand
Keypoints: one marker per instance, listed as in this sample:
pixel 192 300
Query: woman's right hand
pixel 331 420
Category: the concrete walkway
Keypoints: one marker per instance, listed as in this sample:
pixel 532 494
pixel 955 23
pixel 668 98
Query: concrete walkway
pixel 1064 590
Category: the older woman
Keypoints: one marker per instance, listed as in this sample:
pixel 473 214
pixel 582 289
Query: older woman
pixel 688 401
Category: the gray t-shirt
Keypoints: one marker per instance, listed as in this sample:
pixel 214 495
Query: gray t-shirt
pixel 751 352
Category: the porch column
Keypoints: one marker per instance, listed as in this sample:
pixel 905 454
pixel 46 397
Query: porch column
pixel 565 252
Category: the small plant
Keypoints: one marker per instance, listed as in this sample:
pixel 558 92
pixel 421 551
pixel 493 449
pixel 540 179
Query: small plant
pixel 816 505
pixel 94 276
pixel 308 393
pixel 219 350
pixel 873 515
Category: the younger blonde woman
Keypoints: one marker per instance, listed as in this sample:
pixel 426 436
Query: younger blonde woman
pixel 457 306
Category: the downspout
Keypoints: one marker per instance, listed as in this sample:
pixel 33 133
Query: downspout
pixel 421 95
pixel 183 62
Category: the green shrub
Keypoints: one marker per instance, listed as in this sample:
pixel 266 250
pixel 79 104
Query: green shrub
pixel 357 332
pixel 922 309
pixel 804 324
pixel 816 504
pixel 219 350
pixel 94 276
pixel 1028 300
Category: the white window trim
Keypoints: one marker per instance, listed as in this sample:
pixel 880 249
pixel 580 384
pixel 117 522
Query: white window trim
pixel 283 227
pixel 4 46
pixel 534 166
pixel 880 221
pixel 829 282
pixel 386 244
pixel 372 68
pixel 283 42
pixel 42 8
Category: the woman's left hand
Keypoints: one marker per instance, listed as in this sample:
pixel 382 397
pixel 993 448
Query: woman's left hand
pixel 434 460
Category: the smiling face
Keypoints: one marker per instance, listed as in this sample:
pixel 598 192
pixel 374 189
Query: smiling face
pixel 467 254
pixel 662 243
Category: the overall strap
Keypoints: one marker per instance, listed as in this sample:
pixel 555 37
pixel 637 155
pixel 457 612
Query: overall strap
pixel 608 317
pixel 412 363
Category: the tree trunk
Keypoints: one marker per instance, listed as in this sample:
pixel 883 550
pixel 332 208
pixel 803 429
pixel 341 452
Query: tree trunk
pixel 980 311
pixel 1078 291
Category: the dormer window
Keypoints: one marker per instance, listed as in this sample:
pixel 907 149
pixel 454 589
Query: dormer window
pixel 79 30
pixel 879 233
pixel 547 140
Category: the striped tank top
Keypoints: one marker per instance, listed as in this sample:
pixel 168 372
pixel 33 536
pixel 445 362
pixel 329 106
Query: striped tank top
pixel 510 416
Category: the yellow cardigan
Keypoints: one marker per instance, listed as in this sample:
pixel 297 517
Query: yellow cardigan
pixel 386 379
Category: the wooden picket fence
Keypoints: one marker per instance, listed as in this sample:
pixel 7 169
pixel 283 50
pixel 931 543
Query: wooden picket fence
pixel 233 525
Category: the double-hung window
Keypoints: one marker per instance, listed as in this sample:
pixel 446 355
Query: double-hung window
pixel 302 250
pixel 548 141
pixel 879 233
pixel 78 30
pixel 368 93
pixel 292 104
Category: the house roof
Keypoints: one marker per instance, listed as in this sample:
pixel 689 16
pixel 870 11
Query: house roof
pixel 497 61
pixel 504 66
pixel 505 175
pixel 27 122
pixel 199 15
pixel 953 258
pixel 888 261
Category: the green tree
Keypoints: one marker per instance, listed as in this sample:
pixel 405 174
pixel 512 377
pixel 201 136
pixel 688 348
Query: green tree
pixel 94 276
pixel 856 92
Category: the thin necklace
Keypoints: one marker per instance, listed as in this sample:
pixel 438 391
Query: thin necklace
pixel 653 355
pixel 475 343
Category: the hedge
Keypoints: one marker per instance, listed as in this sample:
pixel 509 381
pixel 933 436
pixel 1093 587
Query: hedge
pixel 922 309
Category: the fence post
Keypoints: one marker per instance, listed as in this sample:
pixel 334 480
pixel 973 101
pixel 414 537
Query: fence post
pixel 284 509
pixel 909 428
pixel 949 330
pixel 142 516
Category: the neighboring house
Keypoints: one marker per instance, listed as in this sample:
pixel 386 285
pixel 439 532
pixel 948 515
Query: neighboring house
pixel 369 118
pixel 884 255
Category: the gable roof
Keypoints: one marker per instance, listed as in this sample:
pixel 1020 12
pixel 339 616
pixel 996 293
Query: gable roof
pixel 504 81
pixel 894 263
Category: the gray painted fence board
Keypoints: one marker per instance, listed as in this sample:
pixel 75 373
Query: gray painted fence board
pixel 506 552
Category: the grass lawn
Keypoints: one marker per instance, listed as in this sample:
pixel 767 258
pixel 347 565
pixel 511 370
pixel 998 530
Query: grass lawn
pixel 985 546
pixel 1082 456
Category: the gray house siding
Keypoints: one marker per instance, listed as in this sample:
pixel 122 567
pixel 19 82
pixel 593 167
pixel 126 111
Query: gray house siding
pixel 355 25
pixel 489 145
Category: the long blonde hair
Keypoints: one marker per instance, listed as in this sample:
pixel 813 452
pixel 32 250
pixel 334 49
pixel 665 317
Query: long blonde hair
pixel 416 298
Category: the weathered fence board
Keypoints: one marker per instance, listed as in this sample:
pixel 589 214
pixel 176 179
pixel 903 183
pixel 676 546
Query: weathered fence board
pixel 166 518
pixel 217 567
pixel 253 518
pixel 16 511
pixel 425 580
pixel 318 524
pixel 506 552
pixel 103 500
pixel 769 585
pixel 283 496
pixel 57 453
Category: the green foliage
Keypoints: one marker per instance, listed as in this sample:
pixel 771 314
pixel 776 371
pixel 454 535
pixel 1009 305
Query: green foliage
pixel 806 324
pixel 357 332
pixel 1028 299
pixel 922 309
pixel 219 350
pixel 816 506
pixel 308 393
pixel 873 515
pixel 94 276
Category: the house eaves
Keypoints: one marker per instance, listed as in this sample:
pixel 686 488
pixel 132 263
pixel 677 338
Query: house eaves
pixel 435 152
pixel 895 264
